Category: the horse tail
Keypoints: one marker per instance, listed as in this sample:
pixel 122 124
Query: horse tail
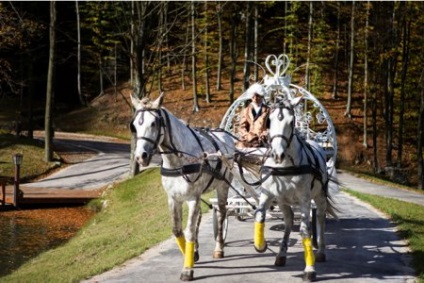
pixel 331 208
pixel 332 188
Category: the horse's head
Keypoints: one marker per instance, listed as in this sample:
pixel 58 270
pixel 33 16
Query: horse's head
pixel 282 127
pixel 146 125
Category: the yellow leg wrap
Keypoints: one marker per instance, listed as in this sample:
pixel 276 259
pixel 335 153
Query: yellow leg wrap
pixel 181 244
pixel 309 253
pixel 189 255
pixel 259 239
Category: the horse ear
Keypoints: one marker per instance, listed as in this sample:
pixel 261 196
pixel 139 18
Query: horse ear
pixel 296 101
pixel 158 102
pixel 135 101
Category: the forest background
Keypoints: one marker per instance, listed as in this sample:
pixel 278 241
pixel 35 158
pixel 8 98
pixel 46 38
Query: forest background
pixel 362 59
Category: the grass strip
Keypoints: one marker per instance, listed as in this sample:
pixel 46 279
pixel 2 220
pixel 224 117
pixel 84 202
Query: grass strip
pixel 409 218
pixel 33 164
pixel 134 217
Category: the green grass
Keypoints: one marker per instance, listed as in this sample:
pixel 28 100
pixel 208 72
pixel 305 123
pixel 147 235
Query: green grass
pixel 409 218
pixel 134 218
pixel 33 157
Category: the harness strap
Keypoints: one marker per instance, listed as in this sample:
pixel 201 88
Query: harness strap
pixel 292 170
pixel 215 171
pixel 191 169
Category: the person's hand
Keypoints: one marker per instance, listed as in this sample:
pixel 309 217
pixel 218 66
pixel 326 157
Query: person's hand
pixel 263 137
pixel 251 136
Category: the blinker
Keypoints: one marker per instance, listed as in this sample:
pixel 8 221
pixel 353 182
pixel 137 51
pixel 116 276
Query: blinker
pixel 132 128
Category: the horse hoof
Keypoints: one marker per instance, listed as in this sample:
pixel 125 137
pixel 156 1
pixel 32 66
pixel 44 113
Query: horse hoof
pixel 309 276
pixel 262 250
pixel 218 254
pixel 187 275
pixel 280 261
pixel 196 256
pixel 320 257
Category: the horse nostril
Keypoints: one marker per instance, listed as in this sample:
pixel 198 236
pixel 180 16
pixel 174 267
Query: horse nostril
pixel 144 155
pixel 278 158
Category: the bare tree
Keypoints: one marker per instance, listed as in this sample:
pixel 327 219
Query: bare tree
pixel 80 96
pixel 48 151
pixel 420 134
pixel 220 43
pixel 351 56
pixel 255 41
pixel 405 58
pixel 247 44
pixel 184 63
pixel 308 55
pixel 194 57
pixel 336 56
pixel 233 53
pixel 365 142
pixel 390 86
pixel 206 47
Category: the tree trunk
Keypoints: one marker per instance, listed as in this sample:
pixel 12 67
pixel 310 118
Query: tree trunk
pixel 184 67
pixel 405 59
pixel 31 91
pixel 193 57
pixel 101 84
pixel 207 92
pixel 161 37
pixel 420 134
pixel 246 71
pixel 220 43
pixel 308 55
pixel 365 129
pixel 350 79
pixel 48 147
pixel 286 11
pixel 233 54
pixel 255 42
pixel 80 96
pixel 336 58
pixel 374 133
pixel 136 69
pixel 391 72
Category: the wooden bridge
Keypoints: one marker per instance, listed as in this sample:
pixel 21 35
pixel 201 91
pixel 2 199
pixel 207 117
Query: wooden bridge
pixel 12 197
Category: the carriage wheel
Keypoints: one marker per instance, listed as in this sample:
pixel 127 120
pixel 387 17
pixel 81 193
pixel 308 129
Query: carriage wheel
pixel 215 225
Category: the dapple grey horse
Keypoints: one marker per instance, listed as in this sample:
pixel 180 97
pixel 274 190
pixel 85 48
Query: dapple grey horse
pixel 295 173
pixel 186 173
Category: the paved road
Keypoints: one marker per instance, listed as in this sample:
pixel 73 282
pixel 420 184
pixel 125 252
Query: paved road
pixel 363 186
pixel 109 164
pixel 362 245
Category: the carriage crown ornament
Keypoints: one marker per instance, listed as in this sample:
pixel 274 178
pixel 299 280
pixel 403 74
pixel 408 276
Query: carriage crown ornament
pixel 312 119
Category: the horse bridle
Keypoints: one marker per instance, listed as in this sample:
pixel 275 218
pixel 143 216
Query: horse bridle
pixel 280 106
pixel 162 119
pixel 159 122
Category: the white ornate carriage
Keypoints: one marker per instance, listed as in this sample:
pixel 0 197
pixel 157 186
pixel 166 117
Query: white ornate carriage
pixel 312 119
pixel 312 122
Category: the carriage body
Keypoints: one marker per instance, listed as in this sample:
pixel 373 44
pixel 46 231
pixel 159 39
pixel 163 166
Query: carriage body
pixel 312 123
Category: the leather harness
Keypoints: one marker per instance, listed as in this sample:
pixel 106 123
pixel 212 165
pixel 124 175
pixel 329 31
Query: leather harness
pixel 188 169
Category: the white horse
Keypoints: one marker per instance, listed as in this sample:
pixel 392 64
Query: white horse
pixel 294 173
pixel 186 170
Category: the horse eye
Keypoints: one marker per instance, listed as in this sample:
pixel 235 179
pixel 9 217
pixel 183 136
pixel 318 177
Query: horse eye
pixel 153 125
